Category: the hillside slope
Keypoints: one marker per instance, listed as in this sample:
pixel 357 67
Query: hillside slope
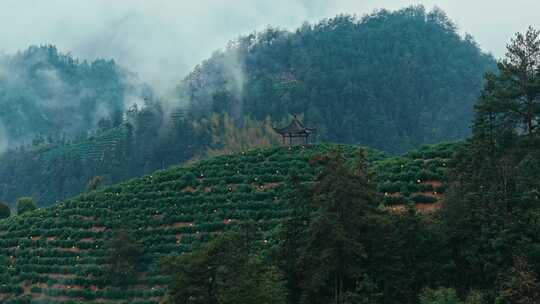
pixel 44 92
pixel 407 74
pixel 389 81
pixel 51 172
pixel 59 254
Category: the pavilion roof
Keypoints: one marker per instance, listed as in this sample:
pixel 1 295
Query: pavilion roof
pixel 295 127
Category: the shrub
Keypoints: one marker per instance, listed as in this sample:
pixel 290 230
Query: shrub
pixel 190 178
pixel 25 204
pixel 439 296
pixel 390 187
pixel 5 212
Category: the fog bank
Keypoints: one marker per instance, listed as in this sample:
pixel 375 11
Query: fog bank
pixel 163 40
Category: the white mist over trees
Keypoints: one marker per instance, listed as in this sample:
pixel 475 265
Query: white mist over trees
pixel 45 94
pixel 162 40
pixel 391 80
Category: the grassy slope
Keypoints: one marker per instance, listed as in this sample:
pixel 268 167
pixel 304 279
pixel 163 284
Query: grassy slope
pixel 57 254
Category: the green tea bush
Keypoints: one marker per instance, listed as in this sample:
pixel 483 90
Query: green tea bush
pixel 25 204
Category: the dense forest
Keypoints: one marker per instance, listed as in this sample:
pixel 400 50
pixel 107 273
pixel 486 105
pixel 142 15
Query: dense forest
pixel 44 93
pixel 65 123
pixel 407 74
pixel 146 141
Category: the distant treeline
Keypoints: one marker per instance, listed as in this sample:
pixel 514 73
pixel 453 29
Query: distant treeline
pixel 44 92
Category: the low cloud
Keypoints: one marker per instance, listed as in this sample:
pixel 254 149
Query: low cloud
pixel 163 40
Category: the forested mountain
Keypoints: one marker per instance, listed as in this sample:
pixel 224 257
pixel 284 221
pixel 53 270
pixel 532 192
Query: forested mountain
pixel 44 92
pixel 389 80
pixel 64 122
pixel 50 171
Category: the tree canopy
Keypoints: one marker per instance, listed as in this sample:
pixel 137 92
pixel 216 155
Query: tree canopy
pixel 25 204
pixel 47 93
pixel 407 74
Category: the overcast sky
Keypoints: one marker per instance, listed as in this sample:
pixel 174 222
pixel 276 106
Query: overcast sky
pixel 163 40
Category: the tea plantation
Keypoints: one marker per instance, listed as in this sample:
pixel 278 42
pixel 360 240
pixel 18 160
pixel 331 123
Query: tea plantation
pixel 92 148
pixel 59 254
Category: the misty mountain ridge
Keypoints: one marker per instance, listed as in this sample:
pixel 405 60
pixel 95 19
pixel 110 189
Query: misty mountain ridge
pixel 407 74
pixel 389 80
pixel 44 93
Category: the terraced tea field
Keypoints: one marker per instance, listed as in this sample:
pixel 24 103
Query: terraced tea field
pixel 92 148
pixel 59 254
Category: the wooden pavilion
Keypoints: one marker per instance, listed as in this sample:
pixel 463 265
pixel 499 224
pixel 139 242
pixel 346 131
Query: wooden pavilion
pixel 295 132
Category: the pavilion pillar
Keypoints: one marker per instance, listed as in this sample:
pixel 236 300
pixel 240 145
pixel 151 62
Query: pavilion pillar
pixel 295 129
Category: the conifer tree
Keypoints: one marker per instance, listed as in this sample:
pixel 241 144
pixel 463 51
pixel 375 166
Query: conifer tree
pixel 344 199
pixel 514 94
pixel 494 191
pixel 126 258
pixel 292 237
pixel 223 271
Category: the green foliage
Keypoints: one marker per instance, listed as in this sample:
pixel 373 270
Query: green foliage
pixel 366 292
pixel 126 258
pixel 5 211
pixel 223 271
pixel 519 284
pixel 344 201
pixel 493 213
pixel 228 138
pixel 345 75
pixel 25 204
pixel 509 103
pixel 439 296
pixel 313 223
pixel 291 235
pixel 61 169
pixel 342 75
pixel 51 88
pixel 475 297
pixel 339 246
pixel 173 211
